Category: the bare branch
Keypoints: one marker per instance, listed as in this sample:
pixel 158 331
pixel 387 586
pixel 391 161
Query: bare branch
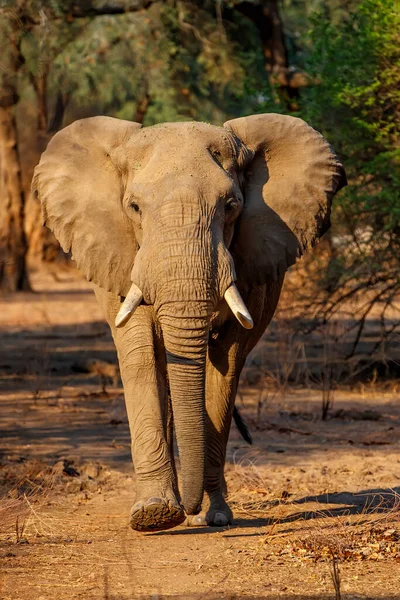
pixel 82 9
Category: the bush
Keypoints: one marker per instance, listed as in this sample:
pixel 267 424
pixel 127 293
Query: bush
pixel 354 100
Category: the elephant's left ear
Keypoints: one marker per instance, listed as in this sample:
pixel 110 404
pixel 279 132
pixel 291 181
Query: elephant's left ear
pixel 288 188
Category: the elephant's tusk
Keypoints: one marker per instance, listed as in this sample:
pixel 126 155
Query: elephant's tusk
pixel 238 307
pixel 129 305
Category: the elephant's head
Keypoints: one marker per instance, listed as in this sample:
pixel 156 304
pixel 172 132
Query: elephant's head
pixel 172 215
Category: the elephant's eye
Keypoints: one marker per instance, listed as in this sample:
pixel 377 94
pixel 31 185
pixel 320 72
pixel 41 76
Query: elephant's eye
pixel 231 204
pixel 216 154
pixel 134 206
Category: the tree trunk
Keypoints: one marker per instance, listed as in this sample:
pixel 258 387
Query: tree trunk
pixel 13 246
pixel 43 245
pixel 266 17
pixel 40 86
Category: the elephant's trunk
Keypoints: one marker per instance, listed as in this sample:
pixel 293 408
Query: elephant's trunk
pixel 185 333
pixel 187 273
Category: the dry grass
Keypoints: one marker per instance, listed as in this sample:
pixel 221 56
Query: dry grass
pixel 249 490
pixel 372 535
pixel 32 496
pixel 25 490
pixel 320 536
pixel 319 533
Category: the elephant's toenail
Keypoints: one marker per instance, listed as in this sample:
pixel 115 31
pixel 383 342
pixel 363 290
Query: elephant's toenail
pixel 220 519
pixel 198 520
pixel 174 504
pixel 154 501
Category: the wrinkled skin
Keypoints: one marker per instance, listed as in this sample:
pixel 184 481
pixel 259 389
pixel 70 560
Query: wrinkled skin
pixel 146 392
pixel 183 210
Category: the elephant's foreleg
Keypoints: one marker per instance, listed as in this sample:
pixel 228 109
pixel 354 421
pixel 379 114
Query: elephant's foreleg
pixel 220 399
pixel 228 349
pixel 220 403
pixel 143 374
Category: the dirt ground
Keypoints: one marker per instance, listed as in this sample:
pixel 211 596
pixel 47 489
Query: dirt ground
pixel 309 496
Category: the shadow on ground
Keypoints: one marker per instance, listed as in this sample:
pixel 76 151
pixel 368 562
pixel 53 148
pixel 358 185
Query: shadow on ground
pixel 362 502
pixel 49 358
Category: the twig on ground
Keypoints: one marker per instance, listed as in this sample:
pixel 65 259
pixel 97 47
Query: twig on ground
pixel 335 574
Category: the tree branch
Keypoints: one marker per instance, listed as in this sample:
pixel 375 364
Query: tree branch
pixel 266 17
pixel 90 8
pixel 81 9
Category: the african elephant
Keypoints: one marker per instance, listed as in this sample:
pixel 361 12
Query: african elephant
pixel 186 231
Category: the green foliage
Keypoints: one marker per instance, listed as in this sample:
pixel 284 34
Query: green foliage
pixel 355 102
pixel 189 63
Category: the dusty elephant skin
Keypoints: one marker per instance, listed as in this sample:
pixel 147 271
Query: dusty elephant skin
pixel 164 220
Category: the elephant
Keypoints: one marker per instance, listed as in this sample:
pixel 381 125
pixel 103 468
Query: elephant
pixel 186 231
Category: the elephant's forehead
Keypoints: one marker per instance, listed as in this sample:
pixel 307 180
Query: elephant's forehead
pixel 183 151
pixel 186 135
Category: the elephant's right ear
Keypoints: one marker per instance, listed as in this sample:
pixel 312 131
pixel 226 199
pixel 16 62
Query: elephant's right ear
pixel 80 184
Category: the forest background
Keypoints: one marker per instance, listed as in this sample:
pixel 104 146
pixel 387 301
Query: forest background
pixel 335 63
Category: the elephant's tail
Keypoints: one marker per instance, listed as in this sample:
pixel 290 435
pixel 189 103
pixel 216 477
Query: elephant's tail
pixel 241 425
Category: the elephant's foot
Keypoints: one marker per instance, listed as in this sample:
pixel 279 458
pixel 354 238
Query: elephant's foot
pixel 156 514
pixel 217 515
